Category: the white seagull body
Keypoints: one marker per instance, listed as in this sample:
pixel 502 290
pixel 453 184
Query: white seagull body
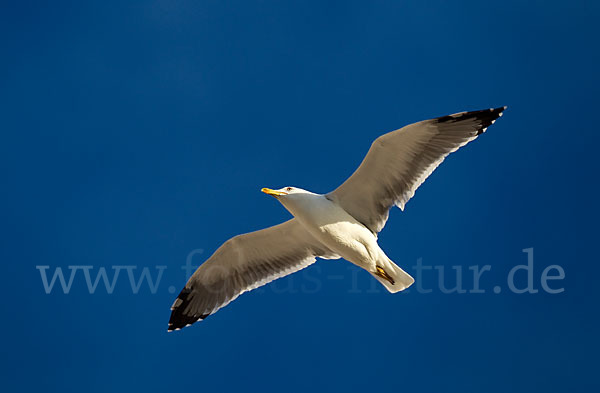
pixel 341 224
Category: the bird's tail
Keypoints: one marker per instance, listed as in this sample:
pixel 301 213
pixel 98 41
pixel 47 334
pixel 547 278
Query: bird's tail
pixel 391 276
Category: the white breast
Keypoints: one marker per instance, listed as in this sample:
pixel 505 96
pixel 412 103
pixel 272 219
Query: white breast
pixel 334 227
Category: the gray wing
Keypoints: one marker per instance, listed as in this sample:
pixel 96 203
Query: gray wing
pixel 399 162
pixel 243 263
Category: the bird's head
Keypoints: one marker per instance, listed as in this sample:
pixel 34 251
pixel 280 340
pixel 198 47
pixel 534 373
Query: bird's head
pixel 292 198
pixel 285 191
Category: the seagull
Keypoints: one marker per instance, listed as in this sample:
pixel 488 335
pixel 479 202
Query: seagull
pixel 341 224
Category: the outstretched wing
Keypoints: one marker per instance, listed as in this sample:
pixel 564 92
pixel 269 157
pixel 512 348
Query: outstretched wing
pixel 399 162
pixel 243 263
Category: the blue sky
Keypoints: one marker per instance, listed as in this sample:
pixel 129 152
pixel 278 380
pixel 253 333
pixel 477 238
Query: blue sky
pixel 137 132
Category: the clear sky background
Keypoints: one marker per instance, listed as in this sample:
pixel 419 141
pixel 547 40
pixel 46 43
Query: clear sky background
pixel 134 133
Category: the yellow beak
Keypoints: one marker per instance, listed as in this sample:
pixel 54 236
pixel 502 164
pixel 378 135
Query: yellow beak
pixel 273 192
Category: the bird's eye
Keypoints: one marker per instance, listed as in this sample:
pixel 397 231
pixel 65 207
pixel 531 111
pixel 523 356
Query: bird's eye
pixel 289 189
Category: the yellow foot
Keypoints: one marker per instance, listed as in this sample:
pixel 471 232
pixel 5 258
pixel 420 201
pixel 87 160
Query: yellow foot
pixel 383 274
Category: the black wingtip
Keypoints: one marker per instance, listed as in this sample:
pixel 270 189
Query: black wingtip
pixel 179 319
pixel 485 117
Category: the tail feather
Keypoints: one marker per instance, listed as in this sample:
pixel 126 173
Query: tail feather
pixel 400 280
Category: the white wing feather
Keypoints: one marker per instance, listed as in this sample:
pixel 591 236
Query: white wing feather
pixel 399 162
pixel 243 263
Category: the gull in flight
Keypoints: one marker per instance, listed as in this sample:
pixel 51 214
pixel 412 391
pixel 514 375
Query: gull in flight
pixel 341 224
